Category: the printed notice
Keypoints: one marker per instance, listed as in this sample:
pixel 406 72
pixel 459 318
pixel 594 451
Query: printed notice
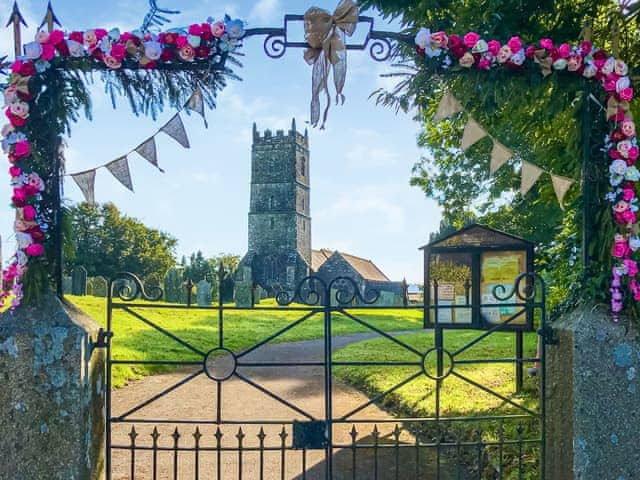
pixel 500 269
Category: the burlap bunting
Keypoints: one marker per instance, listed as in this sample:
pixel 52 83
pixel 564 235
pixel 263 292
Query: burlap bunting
pixel 175 129
pixel 119 168
pixel 613 105
pixel 499 156
pixel 147 150
pixel 325 33
pixel 448 106
pixel 561 185
pixel 530 175
pixel 196 104
pixel 472 133
pixel 86 182
pixel 541 57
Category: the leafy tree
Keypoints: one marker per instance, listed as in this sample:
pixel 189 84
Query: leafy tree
pixel 541 119
pixel 106 242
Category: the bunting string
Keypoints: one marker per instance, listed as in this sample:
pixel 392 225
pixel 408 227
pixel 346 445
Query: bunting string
pixel 500 154
pixel 119 167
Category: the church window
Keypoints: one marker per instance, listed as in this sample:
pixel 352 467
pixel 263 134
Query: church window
pixel 271 203
pixel 303 166
pixel 272 222
pixel 304 226
pixel 303 204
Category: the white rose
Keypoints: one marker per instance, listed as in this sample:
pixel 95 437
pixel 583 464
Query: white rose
pixel 23 239
pixel 518 58
pixel 21 257
pixel 76 49
pixel 481 46
pixel 560 64
pixel 152 50
pixel 33 50
pixel 622 83
pixel 423 38
pixel 609 65
pixel 634 242
pixel 618 167
pixel 6 130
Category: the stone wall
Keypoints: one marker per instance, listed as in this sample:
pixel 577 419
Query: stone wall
pixel 592 414
pixel 51 394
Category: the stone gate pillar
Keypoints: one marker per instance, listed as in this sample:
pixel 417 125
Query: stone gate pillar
pixel 593 398
pixel 51 394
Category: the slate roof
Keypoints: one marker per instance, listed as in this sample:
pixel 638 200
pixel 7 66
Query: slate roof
pixel 365 268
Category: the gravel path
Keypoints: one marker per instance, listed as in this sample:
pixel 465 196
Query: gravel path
pixel 303 387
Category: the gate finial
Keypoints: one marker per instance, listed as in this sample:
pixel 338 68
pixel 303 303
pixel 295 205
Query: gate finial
pixel 50 18
pixel 16 19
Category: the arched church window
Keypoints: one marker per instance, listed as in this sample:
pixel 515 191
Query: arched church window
pixel 271 202
pixel 303 166
pixel 272 222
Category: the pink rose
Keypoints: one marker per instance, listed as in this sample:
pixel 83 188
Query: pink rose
pixel 620 249
pixel 195 29
pixel 586 47
pixel 494 46
pixel 626 94
pixel 56 36
pixel 628 194
pixel 15 171
pixel 470 39
pixel 484 64
pixel 574 63
pixel 118 51
pixel 29 213
pixel 187 53
pixel 467 60
pixel 632 267
pixel 182 41
pixel 19 109
pixel 515 44
pixel 546 43
pixel 628 128
pixel 19 196
pixel 100 33
pixel 112 62
pixel 628 217
pixel 633 154
pixel 22 149
pixel 610 85
pixel 42 36
pixel 218 30
pixel 34 250
pixel 90 38
pixel 564 50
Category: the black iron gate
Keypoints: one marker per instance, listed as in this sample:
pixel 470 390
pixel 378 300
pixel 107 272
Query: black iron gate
pixel 222 414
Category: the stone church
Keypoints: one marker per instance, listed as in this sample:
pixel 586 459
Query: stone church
pixel 280 254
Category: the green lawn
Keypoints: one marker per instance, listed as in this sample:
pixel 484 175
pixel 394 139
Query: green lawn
pixel 134 340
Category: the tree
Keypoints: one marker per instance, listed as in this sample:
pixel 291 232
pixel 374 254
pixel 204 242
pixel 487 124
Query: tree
pixel 106 242
pixel 540 119
pixel 199 268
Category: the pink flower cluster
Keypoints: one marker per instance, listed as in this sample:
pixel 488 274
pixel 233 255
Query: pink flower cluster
pixel 589 62
pixel 198 41
pixel 148 50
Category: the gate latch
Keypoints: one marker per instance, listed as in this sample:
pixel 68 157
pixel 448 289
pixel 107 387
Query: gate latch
pixel 309 435
pixel 102 341
pixel 548 335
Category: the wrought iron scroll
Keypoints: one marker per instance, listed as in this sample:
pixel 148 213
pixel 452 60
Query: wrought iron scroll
pixel 128 287
pixel 314 291
pixel 379 43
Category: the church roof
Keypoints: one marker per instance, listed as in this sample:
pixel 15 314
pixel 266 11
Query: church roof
pixel 365 268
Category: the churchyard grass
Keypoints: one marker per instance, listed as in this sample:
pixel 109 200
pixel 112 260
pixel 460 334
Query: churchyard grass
pixel 135 340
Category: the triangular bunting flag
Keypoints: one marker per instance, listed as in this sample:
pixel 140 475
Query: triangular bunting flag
pixel 472 133
pixel 196 104
pixel 147 150
pixel 561 185
pixel 119 168
pixel 175 129
pixel 447 107
pixel 530 175
pixel 499 156
pixel 86 182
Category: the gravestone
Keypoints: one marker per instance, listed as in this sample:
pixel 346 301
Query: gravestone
pixel 52 394
pixel 99 286
pixel 79 281
pixel 242 287
pixel 203 293
pixel 173 289
pixel 66 285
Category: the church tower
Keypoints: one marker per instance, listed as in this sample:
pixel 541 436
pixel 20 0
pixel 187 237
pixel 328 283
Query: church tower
pixel 279 253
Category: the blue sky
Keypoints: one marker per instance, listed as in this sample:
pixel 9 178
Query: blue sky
pixel 361 201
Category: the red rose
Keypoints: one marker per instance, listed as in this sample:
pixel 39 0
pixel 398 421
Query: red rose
pixel 586 47
pixel 97 54
pixel 169 38
pixel 100 33
pixel 454 41
pixel 207 34
pixel 203 51
pixel 62 48
pixel 76 37
pixel 420 51
pixel 617 136
pixel 30 190
pixel 14 119
pixel 195 29
pixel 151 65
pixel 614 154
pixel 22 149
pixel 36 233
pixel 27 69
pixel 56 36
pixel 25 97
pixel 15 171
pixel 530 51
pixel 19 197
pixel 167 55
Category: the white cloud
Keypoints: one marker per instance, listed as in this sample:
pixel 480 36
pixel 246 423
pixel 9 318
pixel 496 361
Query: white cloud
pixel 265 11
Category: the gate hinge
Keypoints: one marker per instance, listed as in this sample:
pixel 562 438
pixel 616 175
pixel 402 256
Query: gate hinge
pixel 548 334
pixel 102 341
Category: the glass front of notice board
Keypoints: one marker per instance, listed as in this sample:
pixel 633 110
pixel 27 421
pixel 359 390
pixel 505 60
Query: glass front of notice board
pixel 452 273
pixel 498 273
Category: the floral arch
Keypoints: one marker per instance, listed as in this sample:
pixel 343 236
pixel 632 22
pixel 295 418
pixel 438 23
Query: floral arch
pixel 56 61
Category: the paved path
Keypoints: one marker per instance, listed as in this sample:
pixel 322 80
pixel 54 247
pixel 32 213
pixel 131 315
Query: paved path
pixel 303 387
